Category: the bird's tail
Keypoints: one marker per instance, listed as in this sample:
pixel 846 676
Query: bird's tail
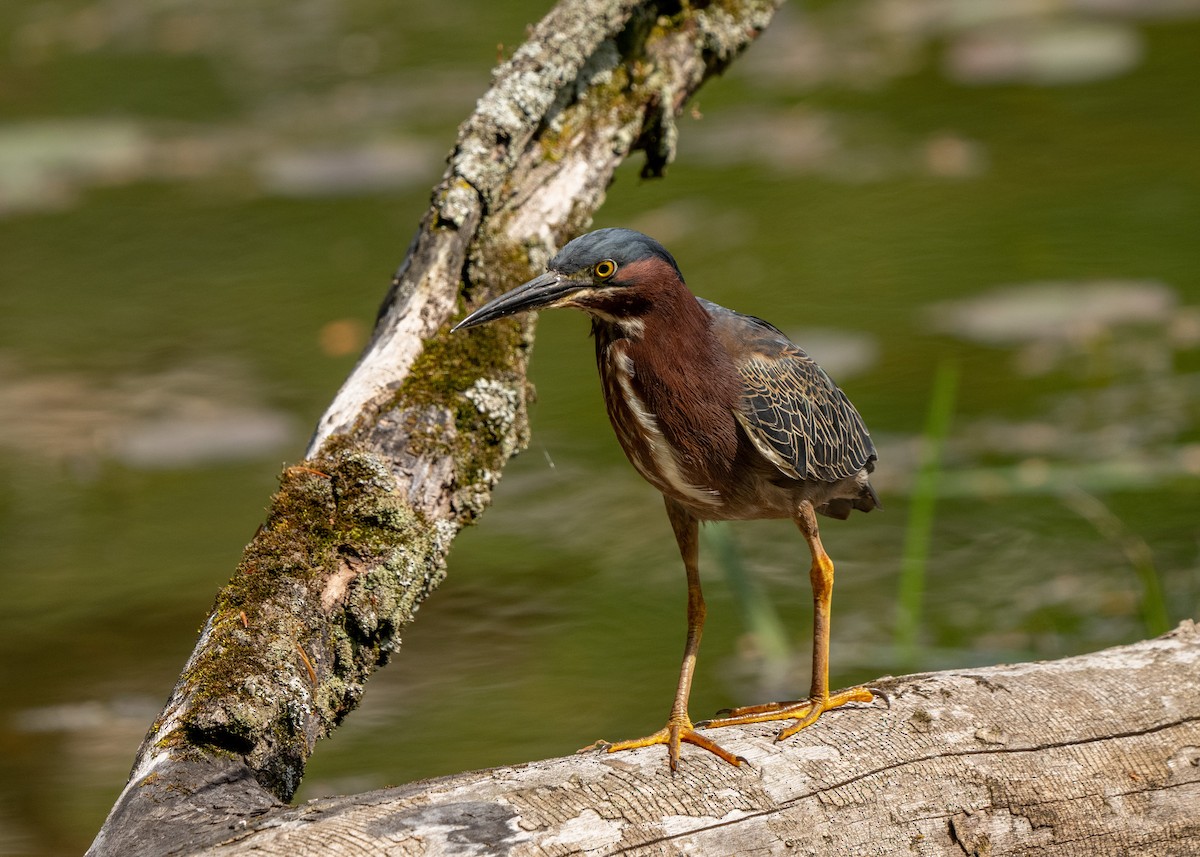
pixel 841 507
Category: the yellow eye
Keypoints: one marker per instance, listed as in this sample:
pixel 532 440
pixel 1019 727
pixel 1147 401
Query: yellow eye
pixel 605 269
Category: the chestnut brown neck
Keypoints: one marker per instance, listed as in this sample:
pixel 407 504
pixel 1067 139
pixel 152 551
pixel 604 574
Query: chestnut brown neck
pixel 679 370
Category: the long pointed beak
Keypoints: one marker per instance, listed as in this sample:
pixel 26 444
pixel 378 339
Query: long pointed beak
pixel 537 293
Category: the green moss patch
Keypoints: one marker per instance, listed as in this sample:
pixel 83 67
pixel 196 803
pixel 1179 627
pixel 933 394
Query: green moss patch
pixel 317 602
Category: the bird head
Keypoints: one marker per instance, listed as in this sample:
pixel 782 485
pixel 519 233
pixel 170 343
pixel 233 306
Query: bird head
pixel 610 273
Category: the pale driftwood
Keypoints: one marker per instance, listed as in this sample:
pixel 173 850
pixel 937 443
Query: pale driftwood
pixel 1094 755
pixel 412 445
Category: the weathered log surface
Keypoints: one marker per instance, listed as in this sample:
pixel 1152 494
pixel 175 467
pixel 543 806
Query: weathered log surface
pixel 1092 755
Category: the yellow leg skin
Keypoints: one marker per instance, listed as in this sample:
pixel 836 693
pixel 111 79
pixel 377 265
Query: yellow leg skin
pixel 679 729
pixel 805 711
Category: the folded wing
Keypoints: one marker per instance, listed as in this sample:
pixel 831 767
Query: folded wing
pixel 791 411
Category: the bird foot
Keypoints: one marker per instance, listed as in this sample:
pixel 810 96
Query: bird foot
pixel 804 711
pixel 675 733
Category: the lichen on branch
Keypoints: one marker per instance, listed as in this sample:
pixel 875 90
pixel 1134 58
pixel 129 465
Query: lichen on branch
pixel 338 568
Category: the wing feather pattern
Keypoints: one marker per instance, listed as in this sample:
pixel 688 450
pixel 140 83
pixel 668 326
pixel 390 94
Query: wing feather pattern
pixel 792 411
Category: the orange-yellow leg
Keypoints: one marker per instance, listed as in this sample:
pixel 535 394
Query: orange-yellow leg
pixel 679 728
pixel 805 711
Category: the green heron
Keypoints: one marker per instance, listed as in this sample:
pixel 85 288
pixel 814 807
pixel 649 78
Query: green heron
pixel 725 416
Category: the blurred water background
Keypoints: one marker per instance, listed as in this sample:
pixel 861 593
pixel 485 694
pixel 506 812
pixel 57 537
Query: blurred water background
pixel 980 215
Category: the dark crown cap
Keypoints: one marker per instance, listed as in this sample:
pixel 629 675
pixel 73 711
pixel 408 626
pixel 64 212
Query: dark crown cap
pixel 623 246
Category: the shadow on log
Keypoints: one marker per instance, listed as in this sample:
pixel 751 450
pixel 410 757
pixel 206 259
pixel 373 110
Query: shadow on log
pixel 1100 750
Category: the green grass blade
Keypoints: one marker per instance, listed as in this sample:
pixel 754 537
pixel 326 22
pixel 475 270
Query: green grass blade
pixel 919 530
pixel 1093 510
pixel 759 616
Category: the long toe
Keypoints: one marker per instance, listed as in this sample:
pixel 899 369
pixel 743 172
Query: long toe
pixel 747 710
pixel 762 714
pixel 674 734
pixel 805 711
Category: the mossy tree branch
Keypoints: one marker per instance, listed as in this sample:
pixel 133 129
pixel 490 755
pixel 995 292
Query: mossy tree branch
pixel 412 445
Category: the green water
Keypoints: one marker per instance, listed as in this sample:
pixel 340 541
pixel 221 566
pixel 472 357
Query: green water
pixel 180 296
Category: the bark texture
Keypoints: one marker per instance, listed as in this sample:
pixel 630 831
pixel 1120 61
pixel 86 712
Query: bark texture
pixel 1094 755
pixel 414 442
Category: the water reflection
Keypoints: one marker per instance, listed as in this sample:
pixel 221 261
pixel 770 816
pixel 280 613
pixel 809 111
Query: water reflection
pixel 1129 423
pixel 1075 315
pixel 187 416
pixel 197 223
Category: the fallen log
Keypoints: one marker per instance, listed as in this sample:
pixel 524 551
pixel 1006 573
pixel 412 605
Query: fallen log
pixel 1097 754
